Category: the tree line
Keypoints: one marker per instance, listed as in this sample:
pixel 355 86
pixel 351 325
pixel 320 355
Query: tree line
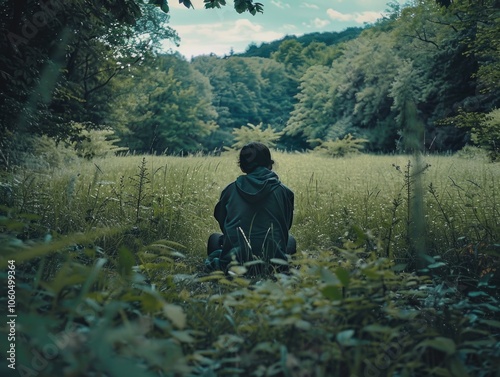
pixel 426 72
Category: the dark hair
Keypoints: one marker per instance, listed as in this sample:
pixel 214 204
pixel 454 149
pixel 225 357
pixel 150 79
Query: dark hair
pixel 253 155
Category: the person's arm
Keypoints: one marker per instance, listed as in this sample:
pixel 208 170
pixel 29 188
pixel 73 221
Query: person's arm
pixel 220 212
pixel 292 204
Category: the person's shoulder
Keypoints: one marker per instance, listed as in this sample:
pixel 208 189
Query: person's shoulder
pixel 286 188
pixel 229 188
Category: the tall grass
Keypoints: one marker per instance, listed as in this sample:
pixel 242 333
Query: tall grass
pixel 109 258
pixel 174 197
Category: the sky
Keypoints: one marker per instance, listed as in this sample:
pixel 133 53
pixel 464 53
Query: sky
pixel 218 31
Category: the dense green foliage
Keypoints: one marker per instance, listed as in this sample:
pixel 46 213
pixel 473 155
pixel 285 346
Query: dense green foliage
pixel 340 147
pixel 165 108
pixel 246 90
pixel 250 133
pixel 438 61
pixel 60 60
pixel 109 276
pixel 267 49
pixel 397 270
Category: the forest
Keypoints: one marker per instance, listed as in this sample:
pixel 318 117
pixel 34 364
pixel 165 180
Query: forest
pixel 112 81
pixel 113 154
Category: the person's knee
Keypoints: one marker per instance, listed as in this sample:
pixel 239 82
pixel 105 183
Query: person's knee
pixel 214 242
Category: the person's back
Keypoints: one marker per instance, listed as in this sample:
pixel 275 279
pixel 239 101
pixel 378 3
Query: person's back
pixel 254 212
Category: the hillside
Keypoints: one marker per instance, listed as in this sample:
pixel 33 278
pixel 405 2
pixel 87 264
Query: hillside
pixel 265 49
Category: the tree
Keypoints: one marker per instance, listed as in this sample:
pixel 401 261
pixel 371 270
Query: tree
pixel 246 90
pixel 484 129
pixel 310 119
pixel 477 21
pixel 458 58
pixel 405 93
pixel 351 97
pixel 163 107
pixel 422 62
pixel 290 54
pixel 58 59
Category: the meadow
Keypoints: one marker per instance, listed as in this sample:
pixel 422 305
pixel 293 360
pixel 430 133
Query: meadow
pixel 396 272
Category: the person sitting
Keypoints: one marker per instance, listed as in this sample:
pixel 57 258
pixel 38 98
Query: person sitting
pixel 254 212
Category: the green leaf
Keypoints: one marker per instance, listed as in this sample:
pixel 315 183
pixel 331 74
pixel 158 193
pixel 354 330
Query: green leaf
pixel 253 263
pixel 176 314
pixel 485 280
pixel 268 347
pixel 371 273
pixel 428 258
pixel 445 345
pixel 478 344
pixel 182 336
pixel 477 294
pixel 279 261
pixel 399 267
pixel 345 337
pixel 457 368
pixel 216 275
pixel 94 273
pixel 378 329
pixel 210 4
pixel 328 277
pixel 187 3
pixel 238 270
pixel 240 6
pixel 343 276
pixel 303 325
pixel 126 261
pixel 169 243
pixel 163 4
pixel 150 302
pixel 436 265
pixel 491 322
pixel 13 225
pixel 30 216
pixel 332 292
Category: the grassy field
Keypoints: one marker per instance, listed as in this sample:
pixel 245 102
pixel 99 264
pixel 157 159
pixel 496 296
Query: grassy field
pixel 110 253
pixel 174 197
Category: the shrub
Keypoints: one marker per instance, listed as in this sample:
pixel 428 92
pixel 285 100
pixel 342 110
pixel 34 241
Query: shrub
pixel 484 129
pixel 250 132
pixel 487 134
pixel 97 143
pixel 340 147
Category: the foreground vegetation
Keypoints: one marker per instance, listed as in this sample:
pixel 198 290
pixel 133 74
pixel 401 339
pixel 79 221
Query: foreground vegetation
pixel 110 281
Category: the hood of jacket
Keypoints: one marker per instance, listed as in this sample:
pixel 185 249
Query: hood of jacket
pixel 257 185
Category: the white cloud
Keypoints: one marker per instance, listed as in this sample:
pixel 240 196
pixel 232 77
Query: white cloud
pixel 241 25
pixel 220 37
pixel 289 27
pixel 310 6
pixel 358 17
pixel 337 16
pixel 280 4
pixel 320 23
pixel 367 17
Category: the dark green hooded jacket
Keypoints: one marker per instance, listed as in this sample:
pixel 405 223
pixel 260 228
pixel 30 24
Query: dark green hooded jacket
pixel 255 214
